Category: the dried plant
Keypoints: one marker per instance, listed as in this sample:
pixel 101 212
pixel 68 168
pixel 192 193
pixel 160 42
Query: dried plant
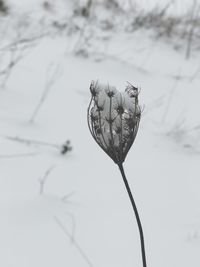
pixel 113 120
pixel 3 8
pixel 64 148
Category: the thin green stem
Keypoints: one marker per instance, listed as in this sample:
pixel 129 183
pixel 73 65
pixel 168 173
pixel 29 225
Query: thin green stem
pixel 136 214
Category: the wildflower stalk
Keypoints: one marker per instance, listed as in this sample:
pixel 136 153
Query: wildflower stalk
pixel 136 214
pixel 113 120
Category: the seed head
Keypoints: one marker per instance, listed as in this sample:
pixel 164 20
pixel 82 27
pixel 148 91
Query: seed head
pixel 113 119
pixel 110 91
pixel 94 89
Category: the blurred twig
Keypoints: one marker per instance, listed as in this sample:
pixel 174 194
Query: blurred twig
pixel 63 148
pixel 30 141
pixel 43 179
pixel 15 51
pixel 70 215
pixel 6 72
pixel 11 156
pixel 52 76
pixel 75 243
pixel 193 24
pixel 171 94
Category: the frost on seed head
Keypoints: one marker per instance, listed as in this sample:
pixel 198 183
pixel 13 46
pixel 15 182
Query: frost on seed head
pixel 113 118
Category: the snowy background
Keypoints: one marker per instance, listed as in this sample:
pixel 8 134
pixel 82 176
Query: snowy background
pixel 72 209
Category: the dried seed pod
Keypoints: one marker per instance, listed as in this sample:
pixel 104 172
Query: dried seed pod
pixel 113 119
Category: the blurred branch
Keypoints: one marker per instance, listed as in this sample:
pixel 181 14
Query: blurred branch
pixel 22 43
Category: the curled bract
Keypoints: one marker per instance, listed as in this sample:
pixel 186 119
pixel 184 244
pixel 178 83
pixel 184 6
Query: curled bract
pixel 113 119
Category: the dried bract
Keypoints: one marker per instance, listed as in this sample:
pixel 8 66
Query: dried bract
pixel 113 119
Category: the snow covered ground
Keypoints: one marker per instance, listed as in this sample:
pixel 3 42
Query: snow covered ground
pixel 73 210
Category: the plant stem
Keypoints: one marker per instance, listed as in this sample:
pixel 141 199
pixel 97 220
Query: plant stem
pixel 136 214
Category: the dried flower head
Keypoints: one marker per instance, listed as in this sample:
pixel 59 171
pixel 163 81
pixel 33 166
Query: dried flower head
pixel 113 119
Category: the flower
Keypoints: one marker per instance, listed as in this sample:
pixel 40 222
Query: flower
pixel 113 119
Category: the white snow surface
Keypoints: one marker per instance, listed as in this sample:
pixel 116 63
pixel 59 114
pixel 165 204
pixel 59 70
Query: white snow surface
pixel 83 191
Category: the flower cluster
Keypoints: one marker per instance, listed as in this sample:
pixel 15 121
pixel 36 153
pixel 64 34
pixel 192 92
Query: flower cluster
pixel 113 119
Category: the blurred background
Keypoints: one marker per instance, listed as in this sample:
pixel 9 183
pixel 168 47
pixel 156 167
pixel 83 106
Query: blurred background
pixel 62 200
